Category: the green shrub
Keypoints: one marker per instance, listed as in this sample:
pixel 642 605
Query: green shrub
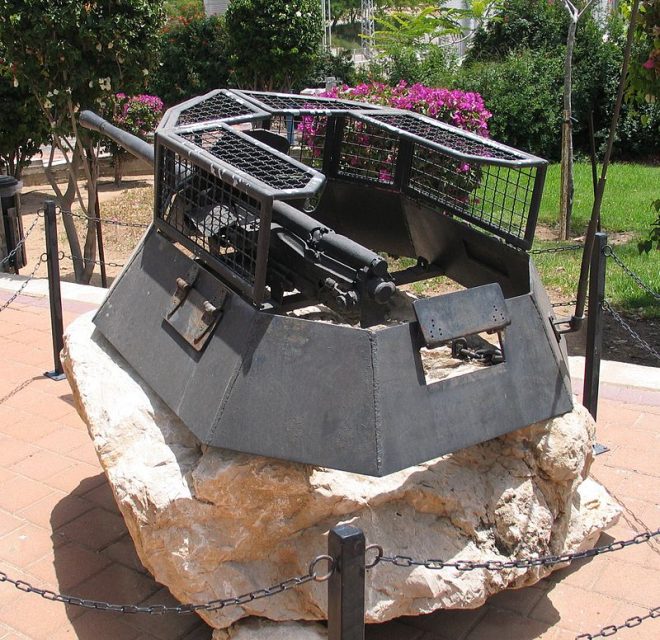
pixel 274 44
pixel 23 128
pixel 339 66
pixel 523 92
pixel 638 134
pixel 194 58
pixel 535 31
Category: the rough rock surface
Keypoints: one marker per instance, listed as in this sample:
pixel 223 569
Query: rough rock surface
pixel 211 523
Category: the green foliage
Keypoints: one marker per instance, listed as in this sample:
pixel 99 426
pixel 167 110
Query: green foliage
pixel 519 25
pixel 23 128
pixel 437 68
pixel 183 8
pixel 638 133
pixel 339 66
pixel 74 54
pixel 194 58
pixel 523 92
pixel 274 44
pixel 644 73
pixel 525 37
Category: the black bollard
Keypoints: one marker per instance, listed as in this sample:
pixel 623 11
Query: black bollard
pixel 54 292
pixel 346 585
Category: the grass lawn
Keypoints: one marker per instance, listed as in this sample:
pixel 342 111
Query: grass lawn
pixel 626 217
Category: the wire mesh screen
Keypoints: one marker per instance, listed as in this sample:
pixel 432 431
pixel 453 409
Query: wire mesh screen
pixel 280 102
pixel 368 152
pixel 219 106
pixel 245 155
pixel 305 135
pixel 494 197
pixel 447 137
pixel 213 216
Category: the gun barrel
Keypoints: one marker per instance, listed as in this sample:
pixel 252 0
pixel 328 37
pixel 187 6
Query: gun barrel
pixel 139 148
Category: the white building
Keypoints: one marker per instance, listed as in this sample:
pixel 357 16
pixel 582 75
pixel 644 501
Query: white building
pixel 213 7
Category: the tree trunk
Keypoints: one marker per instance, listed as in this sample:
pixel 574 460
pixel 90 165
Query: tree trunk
pixel 118 160
pixel 566 195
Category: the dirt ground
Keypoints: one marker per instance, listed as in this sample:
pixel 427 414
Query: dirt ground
pixel 120 241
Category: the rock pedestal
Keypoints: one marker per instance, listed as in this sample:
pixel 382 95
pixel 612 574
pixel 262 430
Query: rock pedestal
pixel 212 523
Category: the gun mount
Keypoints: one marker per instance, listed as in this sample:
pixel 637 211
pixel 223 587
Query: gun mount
pixel 267 203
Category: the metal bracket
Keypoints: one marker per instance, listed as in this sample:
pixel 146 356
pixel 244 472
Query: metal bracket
pixel 193 315
pixel 461 313
pixel 183 286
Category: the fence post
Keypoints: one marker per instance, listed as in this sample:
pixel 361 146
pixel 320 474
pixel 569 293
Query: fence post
pixel 594 345
pixel 54 293
pixel 346 585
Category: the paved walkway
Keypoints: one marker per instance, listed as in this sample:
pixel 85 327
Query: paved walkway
pixel 60 528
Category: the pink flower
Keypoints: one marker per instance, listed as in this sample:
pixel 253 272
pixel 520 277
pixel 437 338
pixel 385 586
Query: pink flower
pixel 649 64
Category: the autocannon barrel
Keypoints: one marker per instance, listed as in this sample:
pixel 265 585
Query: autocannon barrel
pixel 139 148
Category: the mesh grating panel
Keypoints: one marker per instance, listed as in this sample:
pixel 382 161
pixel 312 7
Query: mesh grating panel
pixel 368 152
pixel 493 197
pixel 445 137
pixel 242 153
pixel 306 135
pixel 303 103
pixel 220 106
pixel 213 215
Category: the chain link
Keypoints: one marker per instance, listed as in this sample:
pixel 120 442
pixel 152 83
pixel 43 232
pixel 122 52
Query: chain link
pixel 523 563
pixel 42 259
pixel 21 242
pixel 609 252
pixel 633 334
pixel 182 609
pixel 117 223
pixel 88 260
pixel 560 249
pixel 611 629
pixel 567 303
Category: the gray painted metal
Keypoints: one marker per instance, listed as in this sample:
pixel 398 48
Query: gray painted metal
pixel 461 313
pixel 336 396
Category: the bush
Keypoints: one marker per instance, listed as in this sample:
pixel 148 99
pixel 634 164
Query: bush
pixel 459 108
pixel 435 68
pixel 194 58
pixel 339 66
pixel 23 128
pixel 274 44
pixel 638 134
pixel 138 115
pixel 523 92
pixel 528 42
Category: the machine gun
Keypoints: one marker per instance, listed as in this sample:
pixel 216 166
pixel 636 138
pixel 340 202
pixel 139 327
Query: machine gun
pixel 266 203
pixel 308 262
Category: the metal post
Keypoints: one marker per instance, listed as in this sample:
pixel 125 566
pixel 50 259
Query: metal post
pixel 346 585
pixel 593 350
pixel 99 241
pixel 54 293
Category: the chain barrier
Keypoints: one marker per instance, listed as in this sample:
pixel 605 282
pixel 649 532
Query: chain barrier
pixel 65 256
pixel 42 259
pixel 609 252
pixel 117 223
pixel 633 334
pixel 611 629
pixel 21 242
pixel 524 563
pixel 567 303
pixel 560 249
pixel 182 609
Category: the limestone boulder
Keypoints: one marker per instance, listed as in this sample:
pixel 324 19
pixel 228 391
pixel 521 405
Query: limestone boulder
pixel 212 523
